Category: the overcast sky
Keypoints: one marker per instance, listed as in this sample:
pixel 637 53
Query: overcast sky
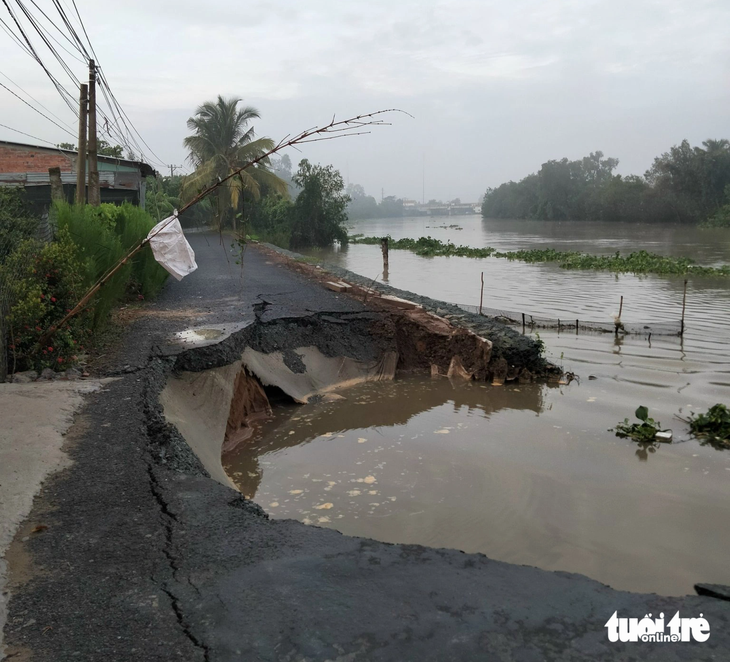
pixel 495 87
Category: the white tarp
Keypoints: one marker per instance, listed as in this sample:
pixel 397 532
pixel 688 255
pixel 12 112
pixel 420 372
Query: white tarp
pixel 171 249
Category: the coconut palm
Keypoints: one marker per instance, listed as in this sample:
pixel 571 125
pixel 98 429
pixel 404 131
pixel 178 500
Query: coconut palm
pixel 222 142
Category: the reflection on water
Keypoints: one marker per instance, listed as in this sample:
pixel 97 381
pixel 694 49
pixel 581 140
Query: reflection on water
pixel 497 470
pixel 530 474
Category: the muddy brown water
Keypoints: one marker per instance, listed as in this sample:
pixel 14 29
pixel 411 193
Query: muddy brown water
pixel 528 474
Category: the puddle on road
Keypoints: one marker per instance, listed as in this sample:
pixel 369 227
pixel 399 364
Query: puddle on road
pixel 500 470
pixel 202 336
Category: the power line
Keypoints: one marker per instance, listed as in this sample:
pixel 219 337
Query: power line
pixel 5 126
pixel 117 127
pixel 28 47
pixel 31 106
pixel 28 94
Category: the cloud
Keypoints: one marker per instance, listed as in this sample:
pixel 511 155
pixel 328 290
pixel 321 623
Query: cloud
pixel 497 87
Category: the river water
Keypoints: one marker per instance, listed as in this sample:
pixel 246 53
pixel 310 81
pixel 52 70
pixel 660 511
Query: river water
pixel 528 474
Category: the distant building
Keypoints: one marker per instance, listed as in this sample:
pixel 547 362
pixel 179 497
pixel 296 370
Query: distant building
pixel 25 165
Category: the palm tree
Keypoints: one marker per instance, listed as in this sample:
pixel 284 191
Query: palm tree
pixel 222 142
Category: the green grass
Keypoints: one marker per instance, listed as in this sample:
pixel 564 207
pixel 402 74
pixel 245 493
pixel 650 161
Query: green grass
pixel 638 262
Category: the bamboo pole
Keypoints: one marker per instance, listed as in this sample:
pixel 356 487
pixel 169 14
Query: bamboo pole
pixel 331 131
pixel 684 307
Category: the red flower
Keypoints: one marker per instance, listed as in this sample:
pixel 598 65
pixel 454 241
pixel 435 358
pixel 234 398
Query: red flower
pixel 43 296
pixel 60 360
pixel 50 349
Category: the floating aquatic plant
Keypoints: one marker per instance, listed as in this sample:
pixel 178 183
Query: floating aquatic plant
pixel 638 262
pixel 644 431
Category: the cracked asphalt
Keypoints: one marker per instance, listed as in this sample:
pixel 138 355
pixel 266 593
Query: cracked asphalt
pixel 144 562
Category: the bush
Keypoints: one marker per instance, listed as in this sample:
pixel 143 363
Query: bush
pixel 721 219
pixel 48 283
pixel 103 235
pixel 43 282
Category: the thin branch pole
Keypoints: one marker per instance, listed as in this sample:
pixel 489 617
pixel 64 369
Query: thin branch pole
pixel 310 135
pixel 481 295
pixel 684 307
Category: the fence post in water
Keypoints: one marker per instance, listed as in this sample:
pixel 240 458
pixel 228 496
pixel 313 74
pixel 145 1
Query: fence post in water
pixel 481 295
pixel 617 323
pixel 523 323
pixel 684 306
pixel 384 248
pixel 576 327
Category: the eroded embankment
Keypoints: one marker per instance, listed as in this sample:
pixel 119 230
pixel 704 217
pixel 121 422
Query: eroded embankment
pixel 215 394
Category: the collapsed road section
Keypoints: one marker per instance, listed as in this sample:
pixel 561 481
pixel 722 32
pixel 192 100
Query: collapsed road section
pixel 216 392
pixel 140 555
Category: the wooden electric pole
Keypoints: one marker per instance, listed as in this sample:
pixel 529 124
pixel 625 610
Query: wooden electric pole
pixel 94 191
pixel 81 161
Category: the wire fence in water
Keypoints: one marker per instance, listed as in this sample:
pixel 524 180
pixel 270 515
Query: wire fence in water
pixel 529 322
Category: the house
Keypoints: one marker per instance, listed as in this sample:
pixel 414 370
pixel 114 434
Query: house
pixel 25 165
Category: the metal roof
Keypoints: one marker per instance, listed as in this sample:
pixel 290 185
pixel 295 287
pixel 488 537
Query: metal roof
pixel 146 169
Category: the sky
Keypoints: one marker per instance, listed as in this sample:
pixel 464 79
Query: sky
pixel 495 87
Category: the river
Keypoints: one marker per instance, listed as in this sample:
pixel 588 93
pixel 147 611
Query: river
pixel 529 474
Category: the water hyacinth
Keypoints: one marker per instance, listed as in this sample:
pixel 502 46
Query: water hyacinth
pixel 638 262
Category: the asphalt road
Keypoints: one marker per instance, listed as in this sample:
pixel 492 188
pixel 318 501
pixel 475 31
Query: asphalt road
pixel 142 562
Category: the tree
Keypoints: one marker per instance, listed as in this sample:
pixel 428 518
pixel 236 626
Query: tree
pixel 222 142
pixel 106 149
pixel 103 148
pixel 318 213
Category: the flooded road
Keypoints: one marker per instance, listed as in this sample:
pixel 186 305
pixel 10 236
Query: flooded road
pixel 528 474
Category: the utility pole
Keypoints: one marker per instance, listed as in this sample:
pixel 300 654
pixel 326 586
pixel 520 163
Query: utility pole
pixel 173 168
pixel 94 190
pixel 81 161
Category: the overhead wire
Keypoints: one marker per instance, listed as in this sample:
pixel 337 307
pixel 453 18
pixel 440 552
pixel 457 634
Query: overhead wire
pixel 28 94
pixel 29 48
pixel 32 107
pixel 115 123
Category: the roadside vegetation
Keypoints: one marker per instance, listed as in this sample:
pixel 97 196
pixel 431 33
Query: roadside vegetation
pixel 268 201
pixel 43 274
pixel 684 185
pixel 639 262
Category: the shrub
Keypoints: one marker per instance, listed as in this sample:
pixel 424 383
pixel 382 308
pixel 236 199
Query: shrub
pixel 49 283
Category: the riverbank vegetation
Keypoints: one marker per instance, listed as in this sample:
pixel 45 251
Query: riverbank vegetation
pixel 638 262
pixel 45 268
pixel 684 185
pixel 266 201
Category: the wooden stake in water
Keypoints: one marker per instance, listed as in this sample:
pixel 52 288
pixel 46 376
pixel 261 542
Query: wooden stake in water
pixel 384 248
pixel 619 324
pixel 684 307
pixel 481 295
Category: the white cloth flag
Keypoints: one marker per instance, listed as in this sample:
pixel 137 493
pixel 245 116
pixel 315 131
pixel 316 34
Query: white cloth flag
pixel 171 249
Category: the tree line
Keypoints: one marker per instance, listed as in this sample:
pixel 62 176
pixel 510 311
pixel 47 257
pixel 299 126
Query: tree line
pixel 687 184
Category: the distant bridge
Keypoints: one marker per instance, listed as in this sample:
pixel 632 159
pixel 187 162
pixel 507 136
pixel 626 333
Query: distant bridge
pixel 461 209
